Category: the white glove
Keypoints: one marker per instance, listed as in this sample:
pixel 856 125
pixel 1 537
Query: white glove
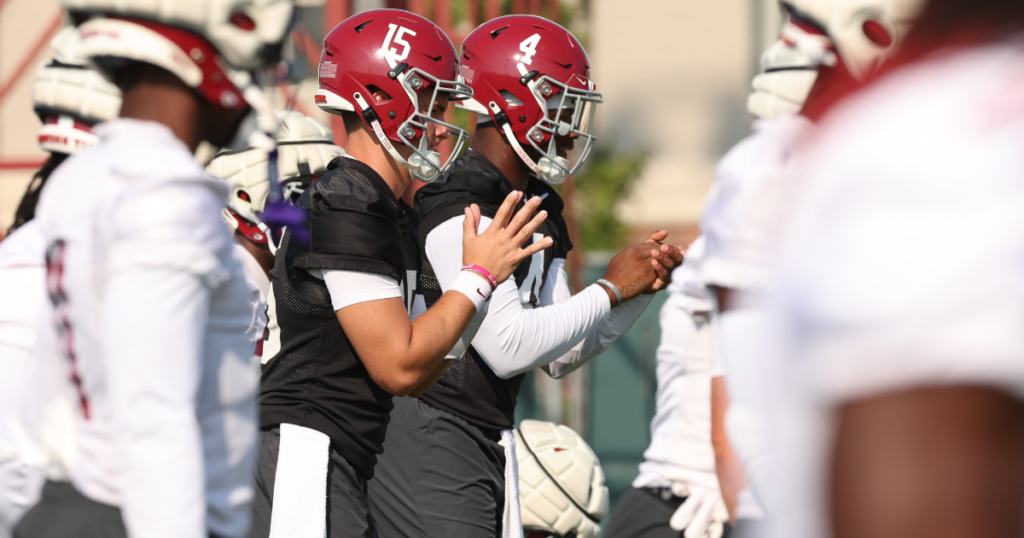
pixel 702 514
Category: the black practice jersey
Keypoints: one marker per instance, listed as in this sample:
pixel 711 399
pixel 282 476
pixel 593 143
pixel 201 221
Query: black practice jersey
pixel 469 388
pixel 315 378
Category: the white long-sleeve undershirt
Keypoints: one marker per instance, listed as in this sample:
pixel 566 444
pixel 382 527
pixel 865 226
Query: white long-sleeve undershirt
pixel 561 335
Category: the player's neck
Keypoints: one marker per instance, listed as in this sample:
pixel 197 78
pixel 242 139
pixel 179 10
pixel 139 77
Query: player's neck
pixel 364 146
pixel 490 143
pixel 173 105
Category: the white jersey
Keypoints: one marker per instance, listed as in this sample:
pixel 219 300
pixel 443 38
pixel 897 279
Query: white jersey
pixel 904 260
pixel 561 335
pixel 260 283
pixel 22 288
pixel 150 315
pixel 681 450
pixel 751 184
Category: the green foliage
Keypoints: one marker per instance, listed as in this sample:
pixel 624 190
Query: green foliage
pixel 599 188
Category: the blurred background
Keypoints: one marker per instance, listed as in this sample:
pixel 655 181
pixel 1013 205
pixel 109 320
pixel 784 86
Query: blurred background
pixel 675 75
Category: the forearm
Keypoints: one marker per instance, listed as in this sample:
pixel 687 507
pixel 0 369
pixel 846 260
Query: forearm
pixel 731 476
pixel 152 386
pixel 615 324
pixel 513 339
pixel 436 332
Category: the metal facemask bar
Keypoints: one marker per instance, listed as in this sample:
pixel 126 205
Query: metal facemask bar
pixel 570 112
pixel 425 165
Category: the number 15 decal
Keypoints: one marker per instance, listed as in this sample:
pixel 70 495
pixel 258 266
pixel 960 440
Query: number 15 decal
pixel 396 35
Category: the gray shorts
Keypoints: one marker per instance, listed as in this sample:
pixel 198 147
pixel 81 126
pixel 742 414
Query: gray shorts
pixel 63 512
pixel 438 476
pixel 348 511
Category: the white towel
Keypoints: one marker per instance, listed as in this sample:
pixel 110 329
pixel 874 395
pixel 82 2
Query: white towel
pixel 300 484
pixel 511 520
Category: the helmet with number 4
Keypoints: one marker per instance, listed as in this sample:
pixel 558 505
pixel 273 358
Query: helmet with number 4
pixel 402 55
pixel 561 483
pixel 864 33
pixel 532 77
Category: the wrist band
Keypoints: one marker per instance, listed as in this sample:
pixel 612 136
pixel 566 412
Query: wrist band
pixel 482 272
pixel 613 287
pixel 474 286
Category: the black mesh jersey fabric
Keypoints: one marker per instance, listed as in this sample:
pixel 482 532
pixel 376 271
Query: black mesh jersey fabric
pixel 469 389
pixel 316 379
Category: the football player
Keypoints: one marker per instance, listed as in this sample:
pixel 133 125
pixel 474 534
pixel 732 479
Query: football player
pixel 826 49
pixel 69 98
pixel 305 150
pixel 677 488
pixel 446 467
pixel 341 343
pixel 899 295
pixel 149 307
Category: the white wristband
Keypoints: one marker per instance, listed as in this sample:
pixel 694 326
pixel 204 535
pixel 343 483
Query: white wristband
pixel 473 286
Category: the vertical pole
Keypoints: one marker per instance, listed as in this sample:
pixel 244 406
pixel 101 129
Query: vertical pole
pixel 336 11
pixel 473 13
pixel 493 9
pixel 534 8
pixel 553 11
pixel 443 16
pixel 418 7
pixel 518 6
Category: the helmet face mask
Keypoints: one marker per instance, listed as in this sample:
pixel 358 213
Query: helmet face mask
pixel 570 114
pixel 416 132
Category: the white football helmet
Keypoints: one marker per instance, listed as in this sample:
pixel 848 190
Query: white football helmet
pixel 209 44
pixel 305 147
pixel 70 97
pixel 789 70
pixel 864 33
pixel 561 483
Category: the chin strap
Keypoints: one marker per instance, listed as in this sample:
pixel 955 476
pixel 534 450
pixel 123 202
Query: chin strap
pixel 419 169
pixel 546 170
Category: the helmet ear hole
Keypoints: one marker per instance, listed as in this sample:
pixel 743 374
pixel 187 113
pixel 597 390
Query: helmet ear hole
pixel 380 95
pixel 876 33
pixel 242 21
pixel 244 196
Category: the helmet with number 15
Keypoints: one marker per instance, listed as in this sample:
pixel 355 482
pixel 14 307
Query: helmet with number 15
pixel 532 77
pixel 401 55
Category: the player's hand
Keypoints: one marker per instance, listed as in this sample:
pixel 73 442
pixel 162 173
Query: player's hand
pixel 499 248
pixel 664 258
pixel 702 514
pixel 631 271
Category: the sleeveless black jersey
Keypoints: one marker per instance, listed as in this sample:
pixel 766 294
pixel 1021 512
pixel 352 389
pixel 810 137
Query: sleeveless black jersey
pixel 469 388
pixel 315 378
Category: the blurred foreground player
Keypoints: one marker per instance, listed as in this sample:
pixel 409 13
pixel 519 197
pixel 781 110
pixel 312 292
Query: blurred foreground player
pixel 904 411
pixel 305 149
pixel 149 306
pixel 826 49
pixel 677 487
pixel 447 462
pixel 341 343
pixel 69 98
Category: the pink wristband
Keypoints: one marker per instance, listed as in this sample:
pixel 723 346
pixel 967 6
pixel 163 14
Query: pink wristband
pixel 482 272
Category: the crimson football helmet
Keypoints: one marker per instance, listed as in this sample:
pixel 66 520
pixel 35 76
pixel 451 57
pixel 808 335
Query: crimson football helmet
pixel 403 55
pixel 532 77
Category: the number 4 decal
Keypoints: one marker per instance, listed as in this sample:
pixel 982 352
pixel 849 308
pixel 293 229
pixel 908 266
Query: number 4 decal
pixel 529 48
